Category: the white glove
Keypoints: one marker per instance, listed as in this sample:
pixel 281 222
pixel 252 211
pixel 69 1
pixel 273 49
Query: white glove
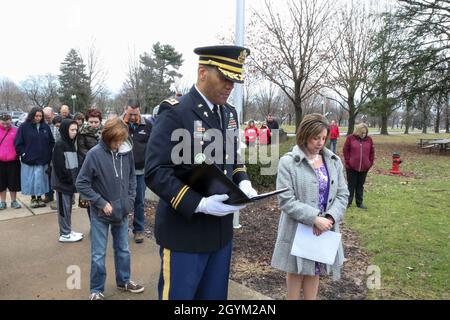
pixel 246 187
pixel 214 205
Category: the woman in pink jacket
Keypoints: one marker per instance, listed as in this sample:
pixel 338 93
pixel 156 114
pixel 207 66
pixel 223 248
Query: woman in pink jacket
pixel 359 155
pixel 9 163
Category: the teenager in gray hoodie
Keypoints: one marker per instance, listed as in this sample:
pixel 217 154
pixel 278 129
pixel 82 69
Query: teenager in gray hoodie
pixel 107 180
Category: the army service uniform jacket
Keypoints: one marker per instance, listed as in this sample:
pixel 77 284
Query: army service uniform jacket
pixel 177 226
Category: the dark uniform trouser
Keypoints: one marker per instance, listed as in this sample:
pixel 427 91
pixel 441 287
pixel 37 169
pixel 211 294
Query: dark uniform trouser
pixel 356 182
pixel 194 276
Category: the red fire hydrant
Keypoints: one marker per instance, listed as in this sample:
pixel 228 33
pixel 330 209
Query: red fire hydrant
pixel 396 163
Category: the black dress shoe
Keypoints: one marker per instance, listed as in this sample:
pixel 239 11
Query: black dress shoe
pixel 362 207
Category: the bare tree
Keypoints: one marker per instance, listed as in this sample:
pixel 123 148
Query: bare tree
pixel 133 83
pixel 42 90
pixel 11 96
pixel 348 72
pixel 286 111
pixel 291 50
pixel 267 99
pixel 95 72
pixel 248 107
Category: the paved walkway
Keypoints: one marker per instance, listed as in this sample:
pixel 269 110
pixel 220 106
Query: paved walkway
pixel 34 265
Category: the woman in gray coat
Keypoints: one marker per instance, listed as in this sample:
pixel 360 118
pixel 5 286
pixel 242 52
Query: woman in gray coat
pixel 317 197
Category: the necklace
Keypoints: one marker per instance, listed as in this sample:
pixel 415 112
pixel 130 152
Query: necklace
pixel 314 159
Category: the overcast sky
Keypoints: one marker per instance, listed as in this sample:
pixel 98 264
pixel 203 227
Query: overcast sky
pixel 37 35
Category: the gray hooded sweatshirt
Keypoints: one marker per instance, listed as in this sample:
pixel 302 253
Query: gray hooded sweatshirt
pixel 108 176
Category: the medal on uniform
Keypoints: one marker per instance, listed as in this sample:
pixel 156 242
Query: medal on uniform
pixel 200 158
pixel 206 114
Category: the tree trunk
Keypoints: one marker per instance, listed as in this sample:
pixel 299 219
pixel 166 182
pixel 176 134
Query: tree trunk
pixel 352 113
pixel 298 114
pixel 440 106
pixel 409 106
pixel 384 124
pixel 447 116
pixel 438 120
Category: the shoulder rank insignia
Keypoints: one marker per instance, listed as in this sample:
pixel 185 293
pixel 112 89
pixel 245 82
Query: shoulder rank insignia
pixel 172 102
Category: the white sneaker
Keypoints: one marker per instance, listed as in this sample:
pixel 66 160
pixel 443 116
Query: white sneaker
pixel 69 238
pixel 78 234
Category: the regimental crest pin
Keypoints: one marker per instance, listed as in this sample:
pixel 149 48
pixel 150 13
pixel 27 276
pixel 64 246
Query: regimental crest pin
pixel 242 56
pixel 200 158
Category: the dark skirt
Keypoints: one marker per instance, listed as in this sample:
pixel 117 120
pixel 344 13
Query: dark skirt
pixel 10 176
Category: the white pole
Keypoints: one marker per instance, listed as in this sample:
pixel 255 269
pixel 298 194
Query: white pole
pixel 238 88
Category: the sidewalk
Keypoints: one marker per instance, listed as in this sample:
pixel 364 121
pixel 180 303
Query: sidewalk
pixel 34 265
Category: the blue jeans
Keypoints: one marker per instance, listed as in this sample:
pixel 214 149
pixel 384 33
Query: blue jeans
pixel 138 221
pixel 333 145
pixel 99 241
pixel 51 194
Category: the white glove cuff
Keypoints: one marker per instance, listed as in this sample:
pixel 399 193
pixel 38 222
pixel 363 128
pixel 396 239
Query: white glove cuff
pixel 245 184
pixel 201 206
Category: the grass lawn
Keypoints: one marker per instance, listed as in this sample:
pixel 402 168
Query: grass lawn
pixel 406 229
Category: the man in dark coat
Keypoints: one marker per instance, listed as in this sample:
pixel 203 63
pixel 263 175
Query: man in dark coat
pixel 195 231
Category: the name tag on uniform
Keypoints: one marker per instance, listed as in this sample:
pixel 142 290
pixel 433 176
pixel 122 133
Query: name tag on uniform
pixel 198 129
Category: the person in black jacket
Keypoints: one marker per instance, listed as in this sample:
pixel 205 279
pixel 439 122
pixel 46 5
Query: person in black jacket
pixel 272 124
pixel 64 175
pixel 195 230
pixel 139 130
pixel 34 144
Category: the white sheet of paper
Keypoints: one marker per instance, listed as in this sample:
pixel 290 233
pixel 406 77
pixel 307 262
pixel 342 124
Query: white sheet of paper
pixel 321 248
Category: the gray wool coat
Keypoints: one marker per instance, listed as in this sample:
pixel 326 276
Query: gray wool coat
pixel 300 205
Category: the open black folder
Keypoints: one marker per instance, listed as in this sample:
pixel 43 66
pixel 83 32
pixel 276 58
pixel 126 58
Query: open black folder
pixel 208 179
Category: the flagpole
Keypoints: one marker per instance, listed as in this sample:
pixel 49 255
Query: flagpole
pixel 238 87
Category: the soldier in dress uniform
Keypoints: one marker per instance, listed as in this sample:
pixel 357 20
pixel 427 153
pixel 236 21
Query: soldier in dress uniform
pixel 168 103
pixel 194 231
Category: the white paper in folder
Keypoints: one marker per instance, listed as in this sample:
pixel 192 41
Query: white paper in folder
pixel 321 248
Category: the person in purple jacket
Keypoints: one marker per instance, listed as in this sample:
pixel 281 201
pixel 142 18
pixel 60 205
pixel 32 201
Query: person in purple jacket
pixel 359 155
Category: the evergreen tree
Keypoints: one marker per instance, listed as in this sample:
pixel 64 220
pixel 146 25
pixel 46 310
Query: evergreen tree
pixel 74 81
pixel 158 72
pixel 385 76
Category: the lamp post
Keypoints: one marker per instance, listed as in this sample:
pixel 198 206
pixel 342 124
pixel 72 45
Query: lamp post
pixel 74 97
